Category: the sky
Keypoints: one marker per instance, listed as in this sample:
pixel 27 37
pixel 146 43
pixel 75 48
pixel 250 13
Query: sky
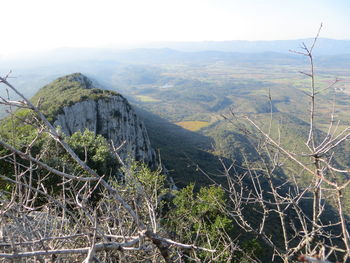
pixel 39 25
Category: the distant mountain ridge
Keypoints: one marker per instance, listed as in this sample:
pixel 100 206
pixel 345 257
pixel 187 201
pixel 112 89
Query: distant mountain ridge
pixel 325 46
pixel 165 51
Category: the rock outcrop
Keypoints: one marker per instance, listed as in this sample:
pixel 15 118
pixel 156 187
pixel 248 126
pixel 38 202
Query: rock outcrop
pixel 112 117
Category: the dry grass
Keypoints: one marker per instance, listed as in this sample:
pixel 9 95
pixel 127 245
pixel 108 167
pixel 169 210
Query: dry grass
pixel 193 125
pixel 145 98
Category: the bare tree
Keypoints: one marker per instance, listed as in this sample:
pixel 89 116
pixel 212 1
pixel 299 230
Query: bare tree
pixel 309 223
pixel 38 223
pixel 68 224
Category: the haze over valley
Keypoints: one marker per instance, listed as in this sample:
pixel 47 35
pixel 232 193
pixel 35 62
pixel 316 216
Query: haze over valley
pixel 175 131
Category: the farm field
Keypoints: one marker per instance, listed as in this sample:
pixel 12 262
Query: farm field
pixel 193 125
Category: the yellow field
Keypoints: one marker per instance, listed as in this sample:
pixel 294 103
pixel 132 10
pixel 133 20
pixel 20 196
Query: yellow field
pixel 193 125
pixel 144 98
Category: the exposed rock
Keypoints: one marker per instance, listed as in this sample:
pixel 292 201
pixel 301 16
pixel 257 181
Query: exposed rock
pixel 113 118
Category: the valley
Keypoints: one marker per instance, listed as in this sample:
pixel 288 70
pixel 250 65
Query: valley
pixel 175 131
pixel 199 110
pixel 197 90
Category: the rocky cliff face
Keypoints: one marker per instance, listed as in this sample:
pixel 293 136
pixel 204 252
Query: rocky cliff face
pixel 113 118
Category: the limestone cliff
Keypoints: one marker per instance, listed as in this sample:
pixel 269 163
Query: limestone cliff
pixel 104 112
pixel 114 119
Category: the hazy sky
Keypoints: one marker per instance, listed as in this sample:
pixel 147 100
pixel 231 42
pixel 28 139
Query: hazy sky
pixel 44 24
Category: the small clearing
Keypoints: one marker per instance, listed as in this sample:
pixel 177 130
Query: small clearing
pixel 193 125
